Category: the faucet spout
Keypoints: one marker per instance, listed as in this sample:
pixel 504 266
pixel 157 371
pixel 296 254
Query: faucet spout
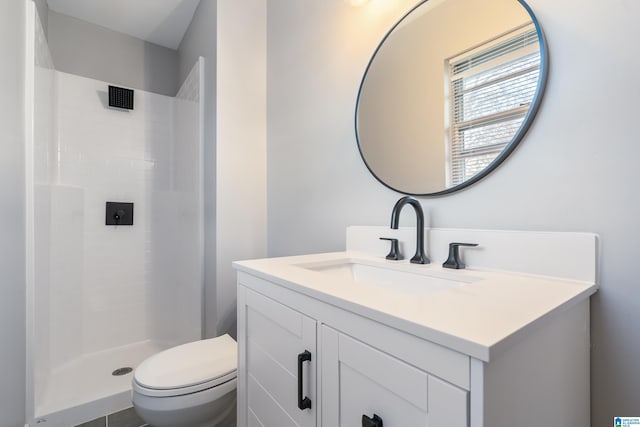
pixel 420 257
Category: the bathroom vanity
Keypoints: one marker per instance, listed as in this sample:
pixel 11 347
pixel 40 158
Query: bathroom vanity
pixel 352 339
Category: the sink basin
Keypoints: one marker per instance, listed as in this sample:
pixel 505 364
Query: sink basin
pixel 402 277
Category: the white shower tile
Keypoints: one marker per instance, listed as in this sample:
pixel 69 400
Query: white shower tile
pixel 115 285
pixel 66 273
pixel 102 287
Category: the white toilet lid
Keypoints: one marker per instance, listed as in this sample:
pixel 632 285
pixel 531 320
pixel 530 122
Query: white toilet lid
pixel 189 364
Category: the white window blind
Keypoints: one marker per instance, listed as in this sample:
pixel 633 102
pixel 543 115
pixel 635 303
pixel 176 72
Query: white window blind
pixel 491 88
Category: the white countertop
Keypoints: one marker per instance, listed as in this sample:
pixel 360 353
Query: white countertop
pixel 473 319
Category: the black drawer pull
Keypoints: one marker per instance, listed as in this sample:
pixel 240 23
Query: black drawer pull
pixel 376 421
pixel 303 402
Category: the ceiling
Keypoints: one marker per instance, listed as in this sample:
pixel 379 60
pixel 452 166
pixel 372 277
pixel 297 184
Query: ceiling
pixel 162 22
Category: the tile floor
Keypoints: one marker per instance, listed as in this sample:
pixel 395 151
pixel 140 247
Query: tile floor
pixel 125 418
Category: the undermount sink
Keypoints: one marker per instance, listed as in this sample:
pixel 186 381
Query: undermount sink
pixel 401 277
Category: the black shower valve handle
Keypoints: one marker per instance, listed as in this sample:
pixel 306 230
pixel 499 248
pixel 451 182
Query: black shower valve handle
pixel 119 214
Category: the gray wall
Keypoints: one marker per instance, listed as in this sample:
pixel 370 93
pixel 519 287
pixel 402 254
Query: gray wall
pixel 88 50
pixel 12 215
pixel 43 13
pixel 200 40
pixel 230 34
pixel 576 170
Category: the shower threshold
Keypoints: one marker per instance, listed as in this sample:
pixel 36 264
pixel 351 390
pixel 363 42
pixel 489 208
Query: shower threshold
pixel 85 389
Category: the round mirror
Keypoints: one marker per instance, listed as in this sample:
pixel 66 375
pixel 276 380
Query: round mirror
pixel 449 93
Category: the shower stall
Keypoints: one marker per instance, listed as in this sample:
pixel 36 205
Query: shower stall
pixel 101 298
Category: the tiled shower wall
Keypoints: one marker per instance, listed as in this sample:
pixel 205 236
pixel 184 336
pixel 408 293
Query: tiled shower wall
pixel 43 151
pixel 101 286
pixel 106 154
pixel 175 294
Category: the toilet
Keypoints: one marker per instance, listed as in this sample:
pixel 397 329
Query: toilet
pixel 191 385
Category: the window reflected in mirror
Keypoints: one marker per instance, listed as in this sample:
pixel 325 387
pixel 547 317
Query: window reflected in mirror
pixel 490 90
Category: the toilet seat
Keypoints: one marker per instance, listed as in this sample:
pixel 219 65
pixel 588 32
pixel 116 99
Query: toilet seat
pixel 188 368
pixel 180 391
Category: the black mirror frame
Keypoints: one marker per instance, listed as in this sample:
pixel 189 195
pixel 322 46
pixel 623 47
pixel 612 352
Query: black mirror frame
pixel 510 147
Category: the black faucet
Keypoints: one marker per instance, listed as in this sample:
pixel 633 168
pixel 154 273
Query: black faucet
pixel 419 257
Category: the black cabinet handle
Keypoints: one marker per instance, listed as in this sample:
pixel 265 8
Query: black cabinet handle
pixel 303 402
pixel 376 421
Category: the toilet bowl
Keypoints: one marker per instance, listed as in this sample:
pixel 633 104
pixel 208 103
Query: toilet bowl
pixel 192 385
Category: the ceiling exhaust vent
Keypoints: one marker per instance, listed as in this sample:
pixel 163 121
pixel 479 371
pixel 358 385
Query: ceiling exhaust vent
pixel 120 97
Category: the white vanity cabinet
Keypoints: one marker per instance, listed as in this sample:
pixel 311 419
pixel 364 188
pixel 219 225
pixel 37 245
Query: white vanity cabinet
pixel 360 381
pixel 357 368
pixel 363 364
pixel 270 337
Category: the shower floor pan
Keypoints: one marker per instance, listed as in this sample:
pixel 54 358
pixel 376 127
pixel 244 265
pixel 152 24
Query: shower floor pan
pixel 85 389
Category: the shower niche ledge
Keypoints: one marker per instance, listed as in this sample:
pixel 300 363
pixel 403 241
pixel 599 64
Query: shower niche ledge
pixel 350 338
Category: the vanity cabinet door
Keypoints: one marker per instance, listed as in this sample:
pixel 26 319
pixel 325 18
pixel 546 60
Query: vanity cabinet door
pixel 276 344
pixel 364 387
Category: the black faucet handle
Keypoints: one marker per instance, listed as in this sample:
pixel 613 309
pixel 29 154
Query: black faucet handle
pixel 394 254
pixel 454 261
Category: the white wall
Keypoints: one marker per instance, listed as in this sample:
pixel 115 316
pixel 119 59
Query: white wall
pixel 574 171
pixel 200 40
pixel 12 214
pixel 89 50
pixel 241 146
pixel 317 183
